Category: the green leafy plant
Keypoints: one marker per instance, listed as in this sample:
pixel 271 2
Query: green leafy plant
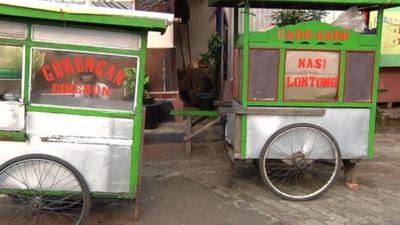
pixel 129 83
pixel 213 56
pixel 294 16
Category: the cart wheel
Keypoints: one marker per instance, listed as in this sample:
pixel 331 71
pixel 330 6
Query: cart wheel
pixel 40 189
pixel 300 162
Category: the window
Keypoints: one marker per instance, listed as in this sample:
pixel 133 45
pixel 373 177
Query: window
pixel 10 72
pixel 359 76
pixel 12 30
pixel 76 36
pixel 311 75
pixel 264 64
pixel 64 78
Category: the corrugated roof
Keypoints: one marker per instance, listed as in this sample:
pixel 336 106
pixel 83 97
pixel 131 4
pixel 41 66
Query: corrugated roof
pixel 311 4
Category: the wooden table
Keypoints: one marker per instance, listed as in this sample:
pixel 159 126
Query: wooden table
pixel 197 121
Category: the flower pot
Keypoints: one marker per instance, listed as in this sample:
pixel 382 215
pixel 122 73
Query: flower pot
pixel 205 101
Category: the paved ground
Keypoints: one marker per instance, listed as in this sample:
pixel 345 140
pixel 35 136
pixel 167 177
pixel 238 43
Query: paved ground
pixel 182 190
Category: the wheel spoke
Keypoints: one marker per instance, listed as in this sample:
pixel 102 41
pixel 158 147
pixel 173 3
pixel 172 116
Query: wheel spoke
pixel 291 166
pixel 41 191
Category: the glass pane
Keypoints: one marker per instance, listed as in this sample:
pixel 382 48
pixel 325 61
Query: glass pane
pixel 359 76
pixel 83 80
pixel 10 72
pixel 12 30
pixel 264 64
pixel 311 75
pixel 76 36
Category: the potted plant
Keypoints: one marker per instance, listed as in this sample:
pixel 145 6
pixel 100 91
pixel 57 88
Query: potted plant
pixel 152 107
pixel 211 60
pixel 294 16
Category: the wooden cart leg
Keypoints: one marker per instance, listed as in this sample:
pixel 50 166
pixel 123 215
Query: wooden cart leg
pixel 231 172
pixel 138 199
pixel 188 132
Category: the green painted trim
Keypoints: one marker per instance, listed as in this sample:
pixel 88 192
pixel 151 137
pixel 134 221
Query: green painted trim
pixel 246 42
pixel 310 104
pixel 326 4
pixel 245 77
pixel 342 76
pixel 371 139
pixel 243 142
pixel 12 136
pixel 27 72
pixel 281 80
pixel 311 47
pixel 137 130
pixel 80 112
pixel 118 21
pixel 36 44
pixel 195 113
pixel 7 41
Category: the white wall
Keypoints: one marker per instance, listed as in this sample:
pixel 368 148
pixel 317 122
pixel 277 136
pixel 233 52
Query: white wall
pixel 201 28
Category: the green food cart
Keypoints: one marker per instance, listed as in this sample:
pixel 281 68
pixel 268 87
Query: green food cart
pixel 71 116
pixel 304 94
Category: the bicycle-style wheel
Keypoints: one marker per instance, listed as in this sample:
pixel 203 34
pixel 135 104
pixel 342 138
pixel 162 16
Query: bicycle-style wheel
pixel 42 190
pixel 300 162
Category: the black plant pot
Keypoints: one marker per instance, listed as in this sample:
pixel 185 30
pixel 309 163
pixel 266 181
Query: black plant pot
pixel 205 101
pixel 152 113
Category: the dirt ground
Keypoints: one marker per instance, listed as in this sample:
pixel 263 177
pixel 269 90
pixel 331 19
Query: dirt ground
pixel 193 190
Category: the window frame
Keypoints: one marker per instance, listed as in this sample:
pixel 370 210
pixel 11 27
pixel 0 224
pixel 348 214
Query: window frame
pixel 337 97
pixel 82 108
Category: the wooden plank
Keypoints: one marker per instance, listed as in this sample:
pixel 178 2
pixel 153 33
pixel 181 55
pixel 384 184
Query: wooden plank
pixel 195 113
pixel 189 137
pixel 273 112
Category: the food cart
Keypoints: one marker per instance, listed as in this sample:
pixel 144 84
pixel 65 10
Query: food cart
pixel 304 94
pixel 71 117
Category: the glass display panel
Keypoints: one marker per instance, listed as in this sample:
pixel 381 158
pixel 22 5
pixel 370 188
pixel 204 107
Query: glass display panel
pixel 264 64
pixel 311 75
pixel 10 72
pixel 101 81
pixel 76 36
pixel 359 76
pixel 12 30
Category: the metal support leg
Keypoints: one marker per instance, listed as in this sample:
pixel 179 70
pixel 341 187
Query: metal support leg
pixel 138 197
pixel 188 132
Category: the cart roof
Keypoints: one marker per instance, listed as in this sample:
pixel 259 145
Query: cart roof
pixel 309 4
pixel 62 12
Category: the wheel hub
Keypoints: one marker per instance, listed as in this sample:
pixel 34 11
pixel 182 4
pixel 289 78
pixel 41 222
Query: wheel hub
pixel 36 202
pixel 299 160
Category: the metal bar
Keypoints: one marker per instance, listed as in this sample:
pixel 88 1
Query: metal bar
pixel 138 119
pixel 273 112
pixel 188 131
pixel 371 139
pixel 193 134
pixel 245 76
pixel 138 200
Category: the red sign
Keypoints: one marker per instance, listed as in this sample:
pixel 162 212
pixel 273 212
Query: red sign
pixel 83 66
pixel 308 35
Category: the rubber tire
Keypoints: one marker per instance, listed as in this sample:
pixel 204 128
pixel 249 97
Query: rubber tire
pixel 261 164
pixel 75 172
